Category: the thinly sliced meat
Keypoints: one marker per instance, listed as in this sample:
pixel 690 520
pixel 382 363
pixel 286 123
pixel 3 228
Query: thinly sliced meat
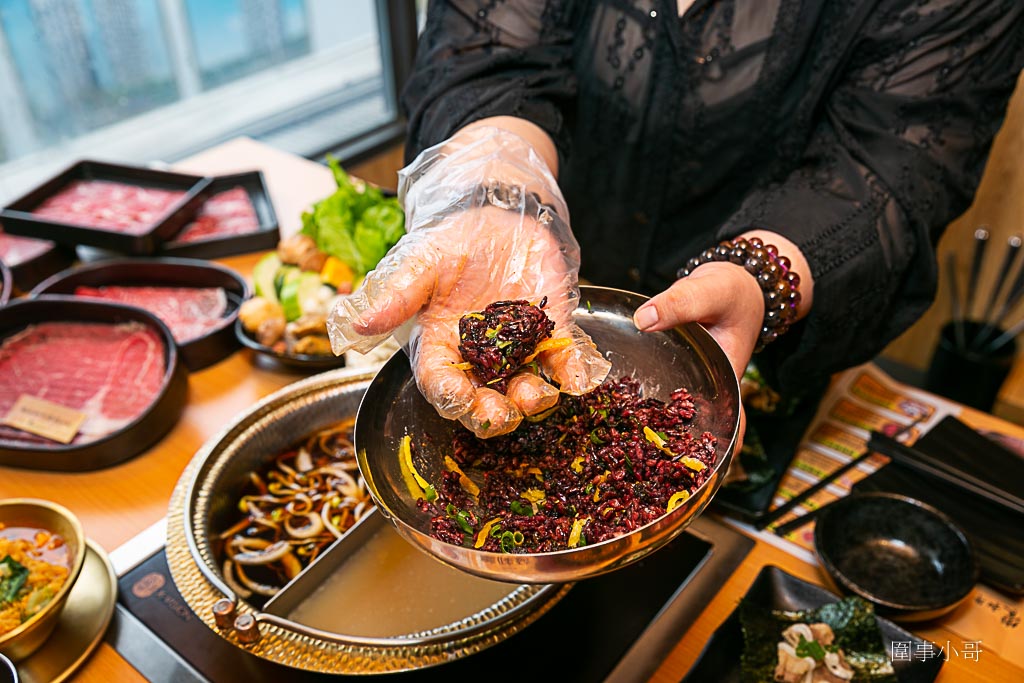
pixel 15 250
pixel 190 312
pixel 108 205
pixel 112 373
pixel 225 214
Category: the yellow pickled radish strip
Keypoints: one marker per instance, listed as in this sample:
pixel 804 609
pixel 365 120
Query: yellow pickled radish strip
pixel 692 463
pixel 485 531
pixel 549 344
pixel 418 486
pixel 467 484
pixel 532 495
pixel 577 531
pixel 677 499
pixel 462 366
pixel 658 442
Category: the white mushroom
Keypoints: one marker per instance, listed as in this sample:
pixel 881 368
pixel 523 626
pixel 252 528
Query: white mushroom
pixel 834 669
pixel 792 634
pixel 822 633
pixel 793 669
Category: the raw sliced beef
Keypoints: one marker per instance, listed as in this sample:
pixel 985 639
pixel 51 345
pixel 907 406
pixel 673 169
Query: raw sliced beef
pixel 112 373
pixel 224 214
pixel 108 205
pixel 190 312
pixel 15 250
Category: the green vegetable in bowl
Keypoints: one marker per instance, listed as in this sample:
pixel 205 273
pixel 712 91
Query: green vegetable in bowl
pixel 356 224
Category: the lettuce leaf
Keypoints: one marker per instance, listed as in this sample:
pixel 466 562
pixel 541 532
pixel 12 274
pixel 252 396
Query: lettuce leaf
pixel 356 223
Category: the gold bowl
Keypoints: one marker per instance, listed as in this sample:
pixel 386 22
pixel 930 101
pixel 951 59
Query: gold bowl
pixel 22 641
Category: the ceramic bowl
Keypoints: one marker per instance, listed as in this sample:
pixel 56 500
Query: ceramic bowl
pixel 26 638
pixel 908 558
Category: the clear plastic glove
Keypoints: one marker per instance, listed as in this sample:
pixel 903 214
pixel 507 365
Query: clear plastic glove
pixel 461 253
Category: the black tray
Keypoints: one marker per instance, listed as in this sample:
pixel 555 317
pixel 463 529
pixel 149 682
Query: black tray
pixel 775 589
pixel 18 218
pixel 197 353
pixel 266 237
pixel 6 283
pixel 295 361
pixel 30 272
pixel 121 445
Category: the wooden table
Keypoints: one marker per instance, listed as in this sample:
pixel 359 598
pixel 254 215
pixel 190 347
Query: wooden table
pixel 118 503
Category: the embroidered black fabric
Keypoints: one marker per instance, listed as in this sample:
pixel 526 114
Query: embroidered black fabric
pixel 857 128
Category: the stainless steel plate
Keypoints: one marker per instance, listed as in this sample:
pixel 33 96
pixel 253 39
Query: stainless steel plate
pixel 204 503
pixel 686 356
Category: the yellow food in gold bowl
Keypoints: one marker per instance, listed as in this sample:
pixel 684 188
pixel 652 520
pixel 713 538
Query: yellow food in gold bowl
pixel 42 549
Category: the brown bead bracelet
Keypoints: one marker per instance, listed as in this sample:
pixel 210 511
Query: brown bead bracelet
pixel 779 284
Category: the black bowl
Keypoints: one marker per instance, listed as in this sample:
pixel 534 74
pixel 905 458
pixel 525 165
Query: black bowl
pixel 295 361
pixel 908 558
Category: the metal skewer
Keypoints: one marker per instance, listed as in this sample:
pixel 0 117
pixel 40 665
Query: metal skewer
pixel 1005 338
pixel 954 301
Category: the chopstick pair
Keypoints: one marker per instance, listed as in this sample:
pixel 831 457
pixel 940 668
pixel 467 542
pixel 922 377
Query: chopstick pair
pixel 774 515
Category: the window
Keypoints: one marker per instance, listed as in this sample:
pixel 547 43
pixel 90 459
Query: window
pixel 138 81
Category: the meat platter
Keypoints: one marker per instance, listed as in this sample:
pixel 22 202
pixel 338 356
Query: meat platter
pixel 236 217
pixel 197 300
pixel 128 209
pixel 32 260
pixel 116 365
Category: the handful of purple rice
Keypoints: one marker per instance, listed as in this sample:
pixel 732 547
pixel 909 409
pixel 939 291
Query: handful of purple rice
pixel 497 341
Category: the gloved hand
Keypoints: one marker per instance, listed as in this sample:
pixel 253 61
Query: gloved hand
pixel 461 253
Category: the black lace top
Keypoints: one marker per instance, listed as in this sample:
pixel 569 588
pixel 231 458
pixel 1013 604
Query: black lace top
pixel 857 128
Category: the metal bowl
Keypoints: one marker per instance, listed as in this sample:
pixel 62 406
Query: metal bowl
pixel 686 356
pixel 22 641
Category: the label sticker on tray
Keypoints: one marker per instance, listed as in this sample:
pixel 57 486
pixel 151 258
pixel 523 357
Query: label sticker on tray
pixel 45 418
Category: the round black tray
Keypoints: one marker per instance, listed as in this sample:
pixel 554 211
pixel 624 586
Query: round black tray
pixel 197 353
pixel 295 361
pixel 131 440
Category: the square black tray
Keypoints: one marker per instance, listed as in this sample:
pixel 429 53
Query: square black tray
pixel 266 237
pixel 18 218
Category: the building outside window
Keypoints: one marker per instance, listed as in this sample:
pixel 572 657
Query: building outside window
pixel 141 81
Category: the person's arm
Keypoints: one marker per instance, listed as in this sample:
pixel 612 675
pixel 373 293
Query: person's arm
pixel 897 154
pixel 508 62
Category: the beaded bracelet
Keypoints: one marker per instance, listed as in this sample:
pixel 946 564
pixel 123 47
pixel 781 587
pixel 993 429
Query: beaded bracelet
pixel 772 272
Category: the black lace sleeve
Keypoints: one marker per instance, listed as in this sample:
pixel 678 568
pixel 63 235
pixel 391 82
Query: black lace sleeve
pixel 897 155
pixel 481 58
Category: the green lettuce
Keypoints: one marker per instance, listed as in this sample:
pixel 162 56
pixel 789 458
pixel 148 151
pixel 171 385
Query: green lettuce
pixel 356 223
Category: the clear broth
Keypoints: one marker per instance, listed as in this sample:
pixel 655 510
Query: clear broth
pixel 388 588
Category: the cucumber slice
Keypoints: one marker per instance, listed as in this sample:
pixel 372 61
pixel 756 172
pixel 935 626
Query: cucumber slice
pixel 297 291
pixel 263 275
pixel 284 275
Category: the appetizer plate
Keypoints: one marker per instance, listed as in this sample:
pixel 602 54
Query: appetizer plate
pixel 777 590
pixel 686 356
pixel 196 353
pixel 143 431
pixel 294 361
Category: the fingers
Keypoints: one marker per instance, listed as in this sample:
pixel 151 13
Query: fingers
pixel 444 386
pixel 578 367
pixel 531 393
pixel 492 414
pixel 721 296
pixel 391 294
